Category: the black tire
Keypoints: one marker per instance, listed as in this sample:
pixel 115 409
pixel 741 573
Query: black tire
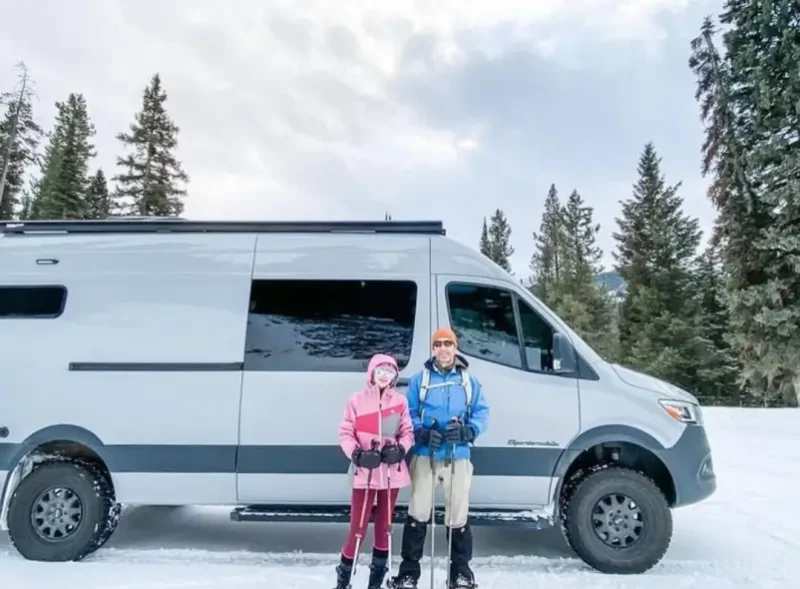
pixel 88 488
pixel 655 531
pixel 112 518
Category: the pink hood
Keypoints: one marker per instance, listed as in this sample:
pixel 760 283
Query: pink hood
pixel 369 414
pixel 374 362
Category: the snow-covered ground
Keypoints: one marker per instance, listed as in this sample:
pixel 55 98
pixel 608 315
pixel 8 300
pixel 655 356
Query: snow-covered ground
pixel 746 535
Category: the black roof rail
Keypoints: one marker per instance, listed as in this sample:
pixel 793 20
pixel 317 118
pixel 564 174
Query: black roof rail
pixel 179 225
pixel 143 218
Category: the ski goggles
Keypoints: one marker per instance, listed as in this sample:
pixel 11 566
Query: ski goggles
pixel 385 372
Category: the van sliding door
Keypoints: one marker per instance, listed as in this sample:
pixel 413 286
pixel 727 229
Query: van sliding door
pixel 320 307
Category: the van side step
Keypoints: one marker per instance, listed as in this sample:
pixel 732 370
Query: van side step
pixel 341 514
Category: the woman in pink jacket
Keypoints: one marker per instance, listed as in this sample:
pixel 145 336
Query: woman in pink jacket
pixel 375 434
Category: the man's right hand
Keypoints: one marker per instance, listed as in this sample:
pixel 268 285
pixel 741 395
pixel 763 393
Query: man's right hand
pixel 429 437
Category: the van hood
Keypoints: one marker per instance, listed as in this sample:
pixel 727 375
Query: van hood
pixel 652 384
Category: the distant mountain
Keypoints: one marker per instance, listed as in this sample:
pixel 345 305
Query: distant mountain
pixel 612 282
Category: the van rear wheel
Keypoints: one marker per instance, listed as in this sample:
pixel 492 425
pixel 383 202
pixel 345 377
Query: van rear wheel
pixel 113 516
pixel 59 512
pixel 618 521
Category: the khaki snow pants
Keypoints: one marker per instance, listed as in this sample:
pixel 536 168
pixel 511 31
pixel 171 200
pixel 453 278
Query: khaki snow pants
pixel 422 477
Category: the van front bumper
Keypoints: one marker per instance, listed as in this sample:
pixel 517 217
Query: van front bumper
pixel 692 468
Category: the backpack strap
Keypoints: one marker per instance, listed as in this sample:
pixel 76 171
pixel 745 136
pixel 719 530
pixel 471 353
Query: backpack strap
pixel 423 392
pixel 423 387
pixel 466 382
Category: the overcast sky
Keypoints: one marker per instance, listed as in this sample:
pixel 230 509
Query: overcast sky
pixel 345 109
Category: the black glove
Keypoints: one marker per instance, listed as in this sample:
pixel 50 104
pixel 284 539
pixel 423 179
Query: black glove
pixel 366 458
pixel 428 437
pixel 392 453
pixel 458 433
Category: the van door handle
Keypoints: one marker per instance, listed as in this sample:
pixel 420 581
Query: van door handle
pixel 402 382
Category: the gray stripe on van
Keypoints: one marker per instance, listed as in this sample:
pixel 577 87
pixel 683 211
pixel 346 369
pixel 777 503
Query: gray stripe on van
pixel 156 366
pixel 285 459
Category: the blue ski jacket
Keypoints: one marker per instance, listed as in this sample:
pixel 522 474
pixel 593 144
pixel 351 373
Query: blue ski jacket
pixel 446 397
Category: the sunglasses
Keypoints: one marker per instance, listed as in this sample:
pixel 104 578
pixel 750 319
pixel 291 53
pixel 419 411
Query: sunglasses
pixel 385 372
pixel 445 343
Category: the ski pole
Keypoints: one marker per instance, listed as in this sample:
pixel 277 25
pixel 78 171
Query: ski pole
pixel 388 481
pixel 390 516
pixel 389 505
pixel 360 531
pixel 433 509
pixel 452 449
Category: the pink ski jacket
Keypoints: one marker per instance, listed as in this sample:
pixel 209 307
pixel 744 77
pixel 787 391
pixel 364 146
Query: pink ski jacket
pixel 365 413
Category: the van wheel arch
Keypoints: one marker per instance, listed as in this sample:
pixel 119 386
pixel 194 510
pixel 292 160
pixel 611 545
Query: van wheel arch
pixel 69 452
pixel 629 454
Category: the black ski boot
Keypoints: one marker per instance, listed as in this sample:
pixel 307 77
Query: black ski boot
pixel 402 582
pixel 462 581
pixel 408 574
pixel 343 573
pixel 377 572
pixel 461 576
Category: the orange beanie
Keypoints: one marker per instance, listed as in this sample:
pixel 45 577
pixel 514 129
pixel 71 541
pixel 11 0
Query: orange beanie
pixel 444 333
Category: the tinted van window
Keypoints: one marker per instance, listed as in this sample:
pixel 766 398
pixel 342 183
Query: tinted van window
pixel 484 320
pixel 32 302
pixel 328 325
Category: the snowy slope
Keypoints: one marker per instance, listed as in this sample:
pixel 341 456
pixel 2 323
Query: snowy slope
pixel 746 535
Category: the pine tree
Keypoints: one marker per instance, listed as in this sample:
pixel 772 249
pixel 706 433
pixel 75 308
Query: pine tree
pixel 763 48
pixel 20 135
pixel 98 200
pixel 749 101
pixel 581 256
pixel 65 168
pixel 485 246
pixel 659 321
pixel 499 240
pixel 718 373
pixel 581 301
pixel 547 262
pixel 149 182
pixel 26 208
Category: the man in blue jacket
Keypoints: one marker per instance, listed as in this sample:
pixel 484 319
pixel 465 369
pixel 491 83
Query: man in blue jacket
pixel 449 412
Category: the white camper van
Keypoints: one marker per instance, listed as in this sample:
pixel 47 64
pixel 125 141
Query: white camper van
pixel 166 361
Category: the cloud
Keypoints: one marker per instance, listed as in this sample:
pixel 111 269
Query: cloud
pixel 320 109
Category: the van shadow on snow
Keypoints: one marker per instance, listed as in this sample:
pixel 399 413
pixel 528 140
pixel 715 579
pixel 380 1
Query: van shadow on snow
pixel 154 528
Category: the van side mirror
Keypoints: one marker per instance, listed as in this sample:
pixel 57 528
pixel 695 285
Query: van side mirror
pixel 564 359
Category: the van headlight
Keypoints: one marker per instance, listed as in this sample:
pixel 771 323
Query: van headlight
pixel 688 413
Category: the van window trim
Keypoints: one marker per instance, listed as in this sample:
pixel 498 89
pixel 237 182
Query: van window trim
pixel 583 372
pixel 64 290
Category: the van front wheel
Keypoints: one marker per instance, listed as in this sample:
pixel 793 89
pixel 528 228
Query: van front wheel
pixel 618 521
pixel 59 512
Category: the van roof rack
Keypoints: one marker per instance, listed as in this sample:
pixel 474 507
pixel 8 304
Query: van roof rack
pixel 179 225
